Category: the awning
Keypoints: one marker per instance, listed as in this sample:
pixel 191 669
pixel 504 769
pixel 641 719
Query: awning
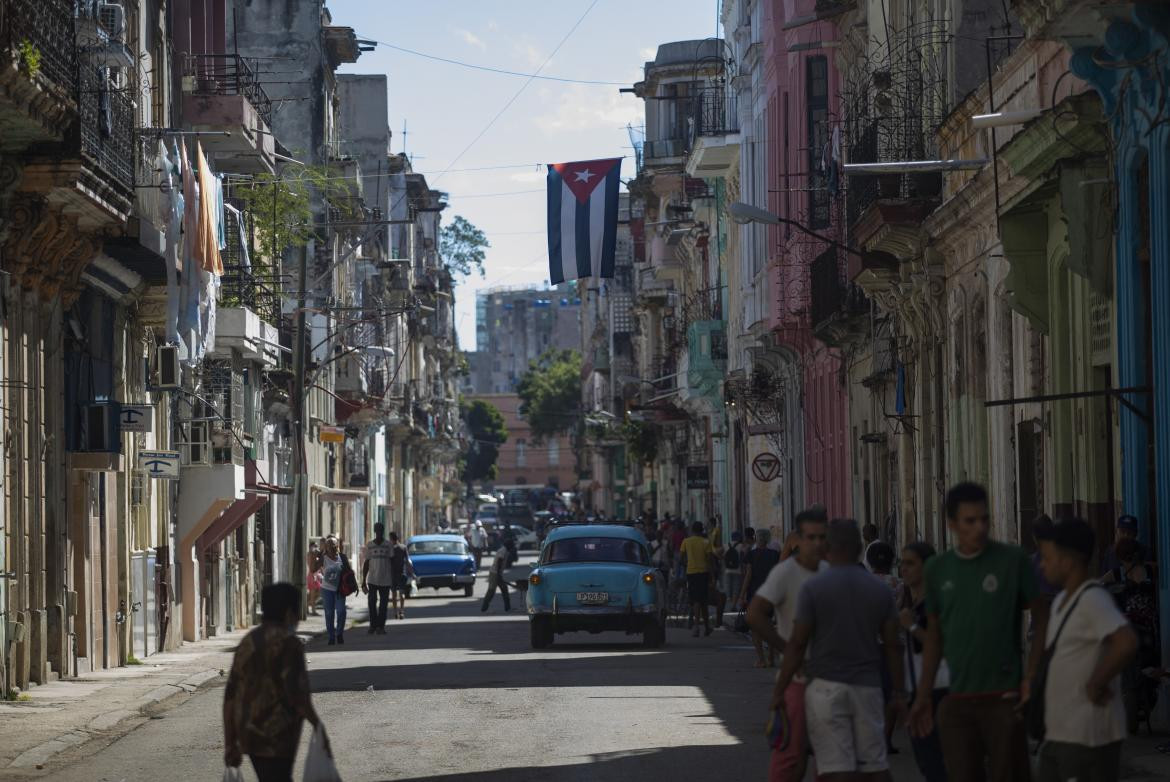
pixel 231 519
pixel 334 494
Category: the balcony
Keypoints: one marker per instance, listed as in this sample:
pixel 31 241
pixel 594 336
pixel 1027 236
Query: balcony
pixel 221 92
pixel 714 139
pixel 38 72
pixel 839 309
pixel 664 152
pixel 897 201
pixel 352 381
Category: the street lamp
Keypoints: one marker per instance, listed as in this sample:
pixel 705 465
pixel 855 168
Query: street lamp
pixel 746 213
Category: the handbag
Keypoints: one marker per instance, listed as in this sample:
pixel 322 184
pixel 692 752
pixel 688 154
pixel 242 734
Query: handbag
pixel 1035 707
pixel 319 766
pixel 348 584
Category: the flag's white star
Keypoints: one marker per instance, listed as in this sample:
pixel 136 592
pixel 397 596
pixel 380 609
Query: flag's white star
pixel 585 176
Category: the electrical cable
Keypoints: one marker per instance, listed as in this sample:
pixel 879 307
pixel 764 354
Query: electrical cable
pixel 501 71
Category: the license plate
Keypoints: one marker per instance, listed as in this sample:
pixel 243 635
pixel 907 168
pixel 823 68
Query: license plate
pixel 593 598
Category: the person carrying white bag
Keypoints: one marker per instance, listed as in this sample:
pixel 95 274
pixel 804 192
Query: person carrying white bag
pixel 267 695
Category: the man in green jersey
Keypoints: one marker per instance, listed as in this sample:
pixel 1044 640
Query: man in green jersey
pixel 976 594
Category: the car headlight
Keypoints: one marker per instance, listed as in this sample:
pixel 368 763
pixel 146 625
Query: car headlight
pixel 648 577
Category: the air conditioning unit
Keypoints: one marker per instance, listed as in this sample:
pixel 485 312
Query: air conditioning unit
pixel 113 18
pixel 168 375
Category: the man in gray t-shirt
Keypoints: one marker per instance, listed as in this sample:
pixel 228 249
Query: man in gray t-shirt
pixel 840 615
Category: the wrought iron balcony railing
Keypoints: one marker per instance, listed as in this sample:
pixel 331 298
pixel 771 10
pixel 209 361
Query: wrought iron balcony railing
pixel 879 141
pixel 106 126
pixel 715 113
pixel 248 282
pixel 227 74
pixel 832 296
pixel 40 35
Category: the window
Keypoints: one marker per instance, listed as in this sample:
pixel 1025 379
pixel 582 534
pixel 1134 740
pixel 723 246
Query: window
pixel 817 91
pixel 554 452
pixel 521 456
pixel 594 550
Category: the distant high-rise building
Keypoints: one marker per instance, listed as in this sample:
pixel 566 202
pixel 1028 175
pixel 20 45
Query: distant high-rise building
pixel 513 327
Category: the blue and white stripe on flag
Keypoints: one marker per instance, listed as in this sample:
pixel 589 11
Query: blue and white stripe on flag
pixel 582 218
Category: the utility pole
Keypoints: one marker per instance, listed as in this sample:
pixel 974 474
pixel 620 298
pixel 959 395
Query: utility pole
pixel 300 487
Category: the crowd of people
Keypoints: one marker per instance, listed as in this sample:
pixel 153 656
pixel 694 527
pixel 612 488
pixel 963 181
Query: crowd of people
pixel 976 649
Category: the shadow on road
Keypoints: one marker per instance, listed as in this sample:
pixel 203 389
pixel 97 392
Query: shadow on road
pixel 686 762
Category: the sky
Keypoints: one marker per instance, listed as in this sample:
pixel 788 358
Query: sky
pixel 444 107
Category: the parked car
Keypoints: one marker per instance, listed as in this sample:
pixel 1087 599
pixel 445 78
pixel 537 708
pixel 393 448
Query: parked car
pixel 525 538
pixel 596 578
pixel 442 561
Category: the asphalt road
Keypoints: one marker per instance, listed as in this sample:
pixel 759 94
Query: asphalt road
pixel 459 695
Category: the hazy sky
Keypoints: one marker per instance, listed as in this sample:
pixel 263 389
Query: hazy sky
pixel 445 106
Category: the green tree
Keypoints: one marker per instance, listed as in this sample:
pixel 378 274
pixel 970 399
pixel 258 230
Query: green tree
pixel 485 426
pixel 462 246
pixel 550 394
pixel 280 207
pixel 641 441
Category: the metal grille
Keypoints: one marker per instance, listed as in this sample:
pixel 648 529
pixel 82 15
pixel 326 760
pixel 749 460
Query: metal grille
pixel 106 126
pixel 227 74
pixel 1101 324
pixel 47 27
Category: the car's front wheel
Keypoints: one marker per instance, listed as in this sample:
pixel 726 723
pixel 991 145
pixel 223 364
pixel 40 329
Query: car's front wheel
pixel 542 633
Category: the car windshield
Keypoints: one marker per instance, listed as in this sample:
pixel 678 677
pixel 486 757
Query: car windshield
pixel 594 550
pixel 437 547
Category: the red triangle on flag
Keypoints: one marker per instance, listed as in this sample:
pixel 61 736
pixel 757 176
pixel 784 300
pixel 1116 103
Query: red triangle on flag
pixel 584 176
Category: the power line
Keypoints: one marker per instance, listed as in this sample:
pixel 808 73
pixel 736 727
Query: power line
pixel 518 92
pixel 502 71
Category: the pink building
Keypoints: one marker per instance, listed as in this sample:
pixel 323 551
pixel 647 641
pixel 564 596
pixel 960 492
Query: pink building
pixel 806 273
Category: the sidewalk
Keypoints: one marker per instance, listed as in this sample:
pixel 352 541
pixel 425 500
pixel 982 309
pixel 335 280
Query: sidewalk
pixel 106 704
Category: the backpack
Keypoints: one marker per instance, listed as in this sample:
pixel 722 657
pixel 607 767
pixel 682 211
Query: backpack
pixel 731 558
pixel 348 584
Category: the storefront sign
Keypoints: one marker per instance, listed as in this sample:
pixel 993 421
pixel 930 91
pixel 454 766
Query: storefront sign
pixel 159 464
pixel 698 477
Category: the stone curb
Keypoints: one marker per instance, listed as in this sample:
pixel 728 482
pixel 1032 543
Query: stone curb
pixel 153 701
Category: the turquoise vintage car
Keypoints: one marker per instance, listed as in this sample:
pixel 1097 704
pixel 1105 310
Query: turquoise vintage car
pixel 596 577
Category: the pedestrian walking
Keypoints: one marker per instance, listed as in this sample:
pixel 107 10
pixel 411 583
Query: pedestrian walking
pixel 1088 644
pixel 401 571
pixel 733 567
pixel 1125 530
pixel 376 577
pixel 478 543
pixel 313 569
pixel 267 694
pixel 759 563
pixel 496 579
pixel 333 565
pixel 698 560
pixel 976 595
pixel 840 616
pixel 928 755
pixel 771 614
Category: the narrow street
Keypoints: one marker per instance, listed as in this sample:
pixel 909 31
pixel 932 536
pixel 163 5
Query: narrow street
pixel 458 695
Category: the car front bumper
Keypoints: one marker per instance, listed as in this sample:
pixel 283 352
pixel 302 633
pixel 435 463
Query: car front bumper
pixel 446 580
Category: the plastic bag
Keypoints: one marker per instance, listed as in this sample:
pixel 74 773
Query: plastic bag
pixel 232 774
pixel 319 763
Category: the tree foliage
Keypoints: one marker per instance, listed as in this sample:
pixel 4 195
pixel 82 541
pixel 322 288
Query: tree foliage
pixel 485 426
pixel 462 246
pixel 281 207
pixel 550 393
pixel 641 441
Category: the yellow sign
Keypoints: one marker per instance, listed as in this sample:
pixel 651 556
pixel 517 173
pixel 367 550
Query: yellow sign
pixel 331 434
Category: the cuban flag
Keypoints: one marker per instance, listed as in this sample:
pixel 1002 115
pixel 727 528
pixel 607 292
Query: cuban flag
pixel 582 218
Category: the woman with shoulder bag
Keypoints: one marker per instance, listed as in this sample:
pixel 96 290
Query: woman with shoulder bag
pixel 336 578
